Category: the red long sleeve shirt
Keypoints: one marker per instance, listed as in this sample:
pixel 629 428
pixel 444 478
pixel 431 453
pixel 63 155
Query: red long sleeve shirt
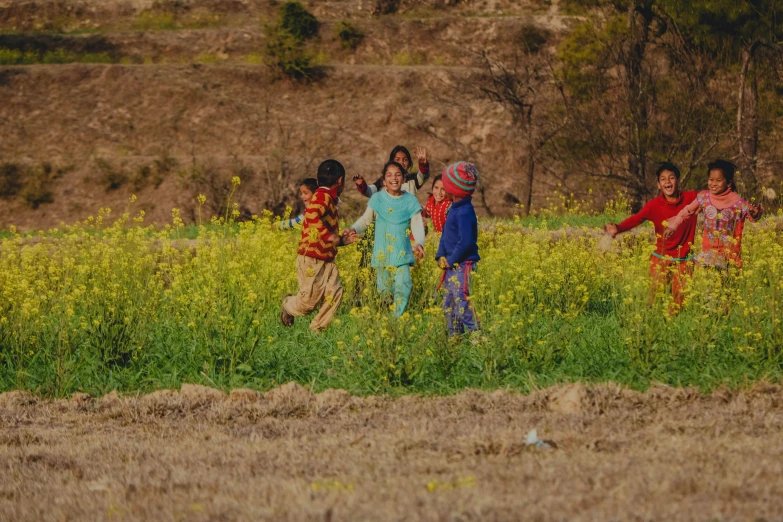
pixel 658 210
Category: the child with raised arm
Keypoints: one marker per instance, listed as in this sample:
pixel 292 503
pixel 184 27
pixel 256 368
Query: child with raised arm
pixel 316 272
pixel 725 213
pixel 458 248
pixel 670 262
pixel 307 188
pixel 396 215
pixel 412 182
pixel 438 205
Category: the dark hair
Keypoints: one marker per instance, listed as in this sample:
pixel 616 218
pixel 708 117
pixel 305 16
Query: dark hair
pixel 726 167
pixel 330 172
pixel 671 167
pixel 310 183
pixel 400 148
pixel 393 164
pixel 436 179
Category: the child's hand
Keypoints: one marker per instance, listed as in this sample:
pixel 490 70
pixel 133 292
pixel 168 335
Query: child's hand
pixel 418 251
pixel 756 211
pixel 443 263
pixel 349 236
pixel 333 239
pixel 358 179
pixel 421 156
pixel 669 232
pixel 611 229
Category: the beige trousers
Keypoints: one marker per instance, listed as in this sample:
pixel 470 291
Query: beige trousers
pixel 318 281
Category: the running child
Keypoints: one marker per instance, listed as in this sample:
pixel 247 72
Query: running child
pixel 396 214
pixel 412 182
pixel 725 213
pixel 306 190
pixel 670 262
pixel 458 249
pixel 437 206
pixel 319 280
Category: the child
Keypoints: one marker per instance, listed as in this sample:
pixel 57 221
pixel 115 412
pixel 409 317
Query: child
pixel 306 190
pixel 724 218
pixel 412 183
pixel 458 249
pixel 394 212
pixel 670 263
pixel 316 271
pixel 438 205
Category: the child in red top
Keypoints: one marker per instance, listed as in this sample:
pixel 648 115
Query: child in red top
pixel 438 205
pixel 316 272
pixel 669 264
pixel 725 213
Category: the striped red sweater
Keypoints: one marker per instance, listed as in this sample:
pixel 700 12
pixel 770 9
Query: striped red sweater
pixel 320 222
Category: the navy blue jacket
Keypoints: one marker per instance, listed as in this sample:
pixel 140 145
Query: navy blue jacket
pixel 459 242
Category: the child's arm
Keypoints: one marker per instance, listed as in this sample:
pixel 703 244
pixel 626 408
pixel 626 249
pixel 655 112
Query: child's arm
pixel 363 188
pixel 630 223
pixel 417 229
pixel 690 210
pixel 755 212
pixel 288 224
pixel 424 167
pixel 364 222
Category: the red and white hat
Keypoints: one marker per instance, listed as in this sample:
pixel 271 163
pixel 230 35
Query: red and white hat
pixel 460 179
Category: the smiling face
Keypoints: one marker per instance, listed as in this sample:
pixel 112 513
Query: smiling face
pixel 668 184
pixel 392 180
pixel 438 192
pixel 305 194
pixel 402 159
pixel 717 182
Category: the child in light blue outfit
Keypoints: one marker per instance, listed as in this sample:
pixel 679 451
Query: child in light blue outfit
pixel 396 214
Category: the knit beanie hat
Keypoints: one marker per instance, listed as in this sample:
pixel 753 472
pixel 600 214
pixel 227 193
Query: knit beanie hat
pixel 460 179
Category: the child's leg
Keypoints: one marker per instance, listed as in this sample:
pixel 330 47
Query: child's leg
pixel 451 303
pixel 402 289
pixel 680 277
pixel 309 273
pixel 333 296
pixel 466 315
pixel 384 281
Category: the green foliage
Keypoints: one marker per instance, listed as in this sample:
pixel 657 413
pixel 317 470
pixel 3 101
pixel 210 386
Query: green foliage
pixel 286 53
pixel 57 56
pixel 110 177
pixel 155 21
pixel 349 35
pixel 298 21
pixel 37 187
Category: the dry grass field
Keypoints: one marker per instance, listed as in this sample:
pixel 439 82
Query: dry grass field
pixel 288 454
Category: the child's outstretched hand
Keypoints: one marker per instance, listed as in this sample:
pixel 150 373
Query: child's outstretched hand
pixel 611 229
pixel 418 251
pixel 421 156
pixel 349 236
pixel 756 210
pixel 358 179
pixel 668 232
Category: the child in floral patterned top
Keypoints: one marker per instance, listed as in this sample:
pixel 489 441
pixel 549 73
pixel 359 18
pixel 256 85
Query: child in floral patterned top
pixel 438 205
pixel 725 213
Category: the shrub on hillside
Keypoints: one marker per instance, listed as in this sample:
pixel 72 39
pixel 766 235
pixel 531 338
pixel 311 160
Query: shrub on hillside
pixel 298 21
pixel 10 180
pixel 37 186
pixel 286 54
pixel 111 178
pixel 532 38
pixel 349 35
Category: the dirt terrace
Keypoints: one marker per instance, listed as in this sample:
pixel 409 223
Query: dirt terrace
pixel 668 454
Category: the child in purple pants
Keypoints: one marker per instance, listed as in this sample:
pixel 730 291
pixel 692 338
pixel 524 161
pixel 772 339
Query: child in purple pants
pixel 458 250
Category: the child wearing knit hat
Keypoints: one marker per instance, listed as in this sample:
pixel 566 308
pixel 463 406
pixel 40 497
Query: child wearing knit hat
pixel 458 250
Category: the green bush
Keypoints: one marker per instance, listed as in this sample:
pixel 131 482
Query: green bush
pixel 298 21
pixel 109 177
pixel 286 53
pixel 532 39
pixel 37 188
pixel 349 35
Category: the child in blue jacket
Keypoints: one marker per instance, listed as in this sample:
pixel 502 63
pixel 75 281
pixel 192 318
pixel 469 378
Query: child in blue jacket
pixel 458 250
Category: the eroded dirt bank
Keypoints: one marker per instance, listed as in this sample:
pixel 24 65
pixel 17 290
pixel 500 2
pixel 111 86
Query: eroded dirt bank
pixel 667 454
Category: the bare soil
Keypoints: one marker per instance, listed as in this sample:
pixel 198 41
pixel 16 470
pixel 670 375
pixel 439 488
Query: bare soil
pixel 198 454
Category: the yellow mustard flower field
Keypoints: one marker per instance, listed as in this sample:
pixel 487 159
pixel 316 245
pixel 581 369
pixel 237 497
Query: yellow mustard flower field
pixel 114 303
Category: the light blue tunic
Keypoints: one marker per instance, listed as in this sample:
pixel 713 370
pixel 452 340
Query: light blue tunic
pixel 392 229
